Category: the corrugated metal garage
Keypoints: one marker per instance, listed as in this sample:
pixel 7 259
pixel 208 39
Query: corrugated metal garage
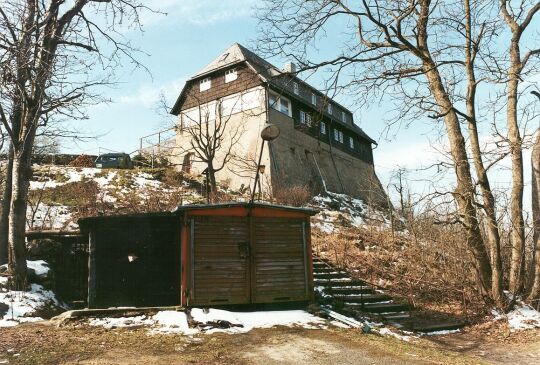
pixel 236 253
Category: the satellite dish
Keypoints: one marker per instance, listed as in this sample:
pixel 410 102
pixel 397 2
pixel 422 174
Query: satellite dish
pixel 270 132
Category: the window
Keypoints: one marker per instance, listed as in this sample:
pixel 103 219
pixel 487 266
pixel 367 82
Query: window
pixel 343 117
pixel 351 142
pixel 284 106
pixel 338 135
pixel 231 75
pixel 205 84
pixel 296 89
pixel 279 103
pixel 305 118
pixel 329 108
pixel 313 99
pixel 323 128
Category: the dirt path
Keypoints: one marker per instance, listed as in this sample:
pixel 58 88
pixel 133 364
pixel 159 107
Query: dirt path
pixel 81 344
pixel 521 348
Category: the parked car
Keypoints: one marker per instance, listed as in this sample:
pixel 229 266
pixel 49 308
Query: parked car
pixel 114 161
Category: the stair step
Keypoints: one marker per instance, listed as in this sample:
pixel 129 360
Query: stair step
pixel 356 289
pixel 396 316
pixel 331 275
pixel 364 298
pixel 323 270
pixel 381 307
pixel 335 283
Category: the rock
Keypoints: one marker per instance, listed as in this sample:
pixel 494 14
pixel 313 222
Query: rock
pixel 43 249
pixel 3 309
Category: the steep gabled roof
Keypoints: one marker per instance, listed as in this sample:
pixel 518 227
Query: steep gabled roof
pixel 269 73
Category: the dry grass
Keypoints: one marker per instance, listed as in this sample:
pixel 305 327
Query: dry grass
pixel 429 267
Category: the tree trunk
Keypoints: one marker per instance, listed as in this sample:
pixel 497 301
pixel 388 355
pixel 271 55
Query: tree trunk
pixel 492 230
pixel 464 193
pixel 517 229
pixel 17 218
pixel 6 204
pixel 535 161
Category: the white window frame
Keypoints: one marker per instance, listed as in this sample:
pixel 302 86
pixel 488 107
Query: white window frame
pixel 278 105
pixel 343 116
pixel 231 75
pixel 313 99
pixel 296 88
pixel 351 142
pixel 323 128
pixel 336 135
pixel 329 108
pixel 302 117
pixel 205 84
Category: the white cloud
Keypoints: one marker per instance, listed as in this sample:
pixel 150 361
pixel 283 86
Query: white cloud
pixel 148 95
pixel 199 13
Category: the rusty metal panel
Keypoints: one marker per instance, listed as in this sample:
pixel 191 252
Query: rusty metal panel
pixel 220 255
pixel 280 260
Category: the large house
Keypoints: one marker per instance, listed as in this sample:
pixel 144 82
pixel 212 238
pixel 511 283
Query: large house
pixel 319 147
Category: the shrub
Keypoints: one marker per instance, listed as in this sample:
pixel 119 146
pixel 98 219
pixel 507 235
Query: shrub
pixel 82 161
pixel 295 196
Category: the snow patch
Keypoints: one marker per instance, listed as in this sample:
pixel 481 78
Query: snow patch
pixel 241 322
pixel 22 305
pixel 522 317
pixel 40 267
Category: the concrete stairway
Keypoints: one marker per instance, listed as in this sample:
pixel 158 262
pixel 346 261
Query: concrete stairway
pixel 339 291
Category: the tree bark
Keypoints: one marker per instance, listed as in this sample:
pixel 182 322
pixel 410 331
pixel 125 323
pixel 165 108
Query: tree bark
pixel 535 162
pixel 464 193
pixel 4 214
pixel 517 233
pixel 17 218
pixel 492 231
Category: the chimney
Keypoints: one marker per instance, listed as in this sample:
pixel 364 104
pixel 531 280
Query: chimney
pixel 290 67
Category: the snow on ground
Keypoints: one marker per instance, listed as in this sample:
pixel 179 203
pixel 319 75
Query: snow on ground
pixel 342 210
pixel 22 305
pixel 40 267
pixel 214 320
pixel 522 317
pixel 49 217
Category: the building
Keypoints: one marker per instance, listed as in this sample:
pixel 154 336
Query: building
pixel 236 253
pixel 320 147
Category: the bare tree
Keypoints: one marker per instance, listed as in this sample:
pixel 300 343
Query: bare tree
pixel 211 136
pixel 395 49
pixel 535 200
pixel 518 19
pixel 52 56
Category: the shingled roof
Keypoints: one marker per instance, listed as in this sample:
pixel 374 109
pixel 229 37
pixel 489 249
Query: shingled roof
pixel 272 75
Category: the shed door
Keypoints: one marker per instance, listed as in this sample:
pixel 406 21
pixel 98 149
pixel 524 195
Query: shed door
pixel 220 256
pixel 280 260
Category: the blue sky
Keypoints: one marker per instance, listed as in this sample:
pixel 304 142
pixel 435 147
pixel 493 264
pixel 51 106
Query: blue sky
pixel 184 41
pixel 179 44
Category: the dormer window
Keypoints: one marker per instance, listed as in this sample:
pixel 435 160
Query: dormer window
pixel 343 117
pixel 279 103
pixel 205 84
pixel 296 88
pixel 329 108
pixel 231 75
pixel 313 99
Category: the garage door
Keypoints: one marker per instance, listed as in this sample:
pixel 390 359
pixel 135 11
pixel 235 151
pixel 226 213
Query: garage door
pixel 220 260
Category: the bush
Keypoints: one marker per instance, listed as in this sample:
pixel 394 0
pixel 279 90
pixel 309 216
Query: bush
pixel 82 161
pixel 296 196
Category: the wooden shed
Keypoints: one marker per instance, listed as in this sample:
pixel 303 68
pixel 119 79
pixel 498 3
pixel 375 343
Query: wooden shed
pixel 237 253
